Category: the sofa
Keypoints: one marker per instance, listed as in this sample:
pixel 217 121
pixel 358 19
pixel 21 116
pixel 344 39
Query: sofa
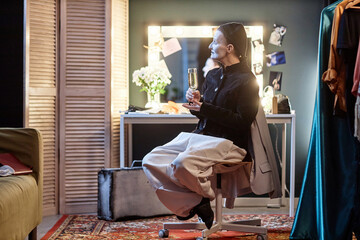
pixel 21 195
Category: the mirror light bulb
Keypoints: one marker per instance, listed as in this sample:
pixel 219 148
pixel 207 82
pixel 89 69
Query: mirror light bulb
pixel 179 31
pixel 153 30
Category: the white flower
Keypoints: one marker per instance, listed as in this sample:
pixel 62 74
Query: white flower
pixel 136 78
pixel 151 79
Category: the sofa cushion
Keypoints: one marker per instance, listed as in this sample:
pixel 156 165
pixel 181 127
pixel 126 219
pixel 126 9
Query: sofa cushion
pixel 18 204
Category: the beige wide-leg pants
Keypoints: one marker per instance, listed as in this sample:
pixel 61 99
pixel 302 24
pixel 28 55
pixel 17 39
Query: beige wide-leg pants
pixel 182 171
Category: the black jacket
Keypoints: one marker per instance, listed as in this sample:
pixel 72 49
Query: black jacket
pixel 230 104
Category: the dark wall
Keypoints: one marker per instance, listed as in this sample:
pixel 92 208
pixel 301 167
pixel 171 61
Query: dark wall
pixel 302 18
pixel 11 56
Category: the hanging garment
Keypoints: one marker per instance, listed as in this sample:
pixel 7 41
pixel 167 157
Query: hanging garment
pixel 354 4
pixel 326 205
pixel 264 177
pixel 348 39
pixel 349 34
pixel 356 79
pixel 334 76
pixel 357 104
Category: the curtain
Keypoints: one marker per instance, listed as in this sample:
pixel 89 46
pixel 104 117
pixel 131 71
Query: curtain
pixel 326 208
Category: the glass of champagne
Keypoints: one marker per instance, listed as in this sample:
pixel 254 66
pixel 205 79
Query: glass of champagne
pixel 192 79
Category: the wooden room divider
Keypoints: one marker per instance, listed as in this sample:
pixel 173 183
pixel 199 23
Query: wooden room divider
pixel 76 82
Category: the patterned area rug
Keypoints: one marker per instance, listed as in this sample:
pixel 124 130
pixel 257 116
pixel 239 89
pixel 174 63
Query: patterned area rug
pixel 90 227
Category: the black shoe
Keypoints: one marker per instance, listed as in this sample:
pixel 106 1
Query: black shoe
pixel 204 211
pixel 192 214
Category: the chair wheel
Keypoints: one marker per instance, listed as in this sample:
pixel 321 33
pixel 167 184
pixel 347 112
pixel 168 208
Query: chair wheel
pixel 262 237
pixel 164 233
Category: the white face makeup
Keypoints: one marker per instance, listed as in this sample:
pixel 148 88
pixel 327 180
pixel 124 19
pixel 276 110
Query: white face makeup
pixel 218 46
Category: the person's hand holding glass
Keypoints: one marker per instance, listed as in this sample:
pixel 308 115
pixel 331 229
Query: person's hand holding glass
pixel 192 94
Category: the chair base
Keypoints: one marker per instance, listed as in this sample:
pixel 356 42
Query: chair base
pixel 253 226
pixel 250 226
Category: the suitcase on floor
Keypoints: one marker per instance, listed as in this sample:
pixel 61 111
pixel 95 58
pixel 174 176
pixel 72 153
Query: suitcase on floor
pixel 126 193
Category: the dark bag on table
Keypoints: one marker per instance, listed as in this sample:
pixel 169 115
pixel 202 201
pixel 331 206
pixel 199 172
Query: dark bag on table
pixel 283 104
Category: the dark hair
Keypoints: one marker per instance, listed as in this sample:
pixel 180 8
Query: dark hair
pixel 235 34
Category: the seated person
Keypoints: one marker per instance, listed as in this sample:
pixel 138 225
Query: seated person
pixel 182 170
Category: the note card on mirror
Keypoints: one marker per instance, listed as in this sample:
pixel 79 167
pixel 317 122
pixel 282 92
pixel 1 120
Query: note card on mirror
pixel 170 46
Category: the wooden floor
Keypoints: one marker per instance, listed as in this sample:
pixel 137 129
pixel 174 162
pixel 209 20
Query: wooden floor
pixel 49 221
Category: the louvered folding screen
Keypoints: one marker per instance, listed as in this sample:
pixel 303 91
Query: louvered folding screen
pixel 41 89
pixel 76 105
pixel 84 101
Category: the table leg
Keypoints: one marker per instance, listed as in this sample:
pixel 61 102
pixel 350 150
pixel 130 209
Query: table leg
pixel 122 143
pixel 130 146
pixel 283 163
pixel 292 169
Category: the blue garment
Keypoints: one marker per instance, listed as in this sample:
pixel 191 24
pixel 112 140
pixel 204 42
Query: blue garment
pixel 326 208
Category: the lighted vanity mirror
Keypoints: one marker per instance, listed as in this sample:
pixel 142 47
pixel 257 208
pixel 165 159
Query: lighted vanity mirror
pixel 194 42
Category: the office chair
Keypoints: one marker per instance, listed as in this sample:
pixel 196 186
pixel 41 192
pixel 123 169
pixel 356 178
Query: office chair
pixel 249 226
pixel 260 148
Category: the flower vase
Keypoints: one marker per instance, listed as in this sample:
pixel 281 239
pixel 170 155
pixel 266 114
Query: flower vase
pixel 153 101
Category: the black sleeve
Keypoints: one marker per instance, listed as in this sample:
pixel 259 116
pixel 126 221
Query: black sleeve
pixel 246 107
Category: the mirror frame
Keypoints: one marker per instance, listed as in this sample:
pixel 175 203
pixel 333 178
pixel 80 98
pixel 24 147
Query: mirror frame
pixel 156 35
